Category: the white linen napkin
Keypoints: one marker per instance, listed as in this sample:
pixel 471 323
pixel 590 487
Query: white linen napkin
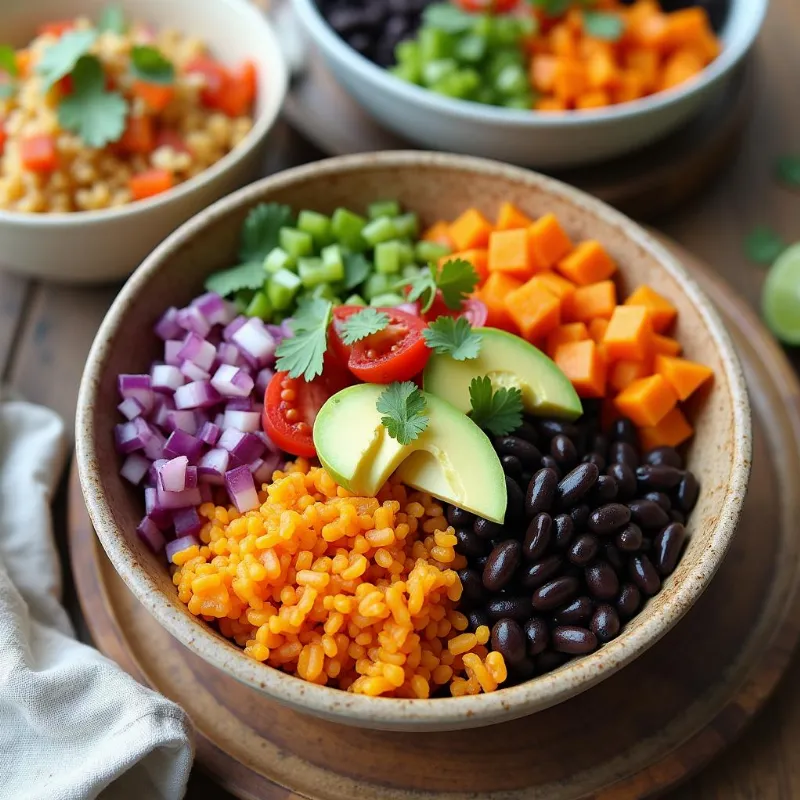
pixel 73 725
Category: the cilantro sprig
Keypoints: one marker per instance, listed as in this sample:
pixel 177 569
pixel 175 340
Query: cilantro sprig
pixel 362 324
pixel 453 337
pixel 403 407
pixel 455 281
pixel 499 412
pixel 763 245
pixel 149 64
pixel 61 57
pixel 302 355
pixel 8 65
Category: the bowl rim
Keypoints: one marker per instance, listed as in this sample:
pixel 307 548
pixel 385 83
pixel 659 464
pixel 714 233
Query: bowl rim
pixel 395 713
pixel 278 82
pixel 383 80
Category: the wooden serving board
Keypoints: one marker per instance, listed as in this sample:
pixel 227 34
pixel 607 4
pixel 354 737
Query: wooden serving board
pixel 639 733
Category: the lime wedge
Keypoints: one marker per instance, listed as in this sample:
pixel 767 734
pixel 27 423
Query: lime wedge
pixel 780 301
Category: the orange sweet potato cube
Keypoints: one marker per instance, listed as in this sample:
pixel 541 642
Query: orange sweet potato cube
pixel 629 334
pixel 647 401
pixel 493 293
pixel 582 364
pixel 588 302
pixel 574 332
pixel 509 253
pixel 510 217
pixel 685 376
pixel 673 430
pixel 549 242
pixel 477 257
pixel 470 230
pixel 587 263
pixel 535 310
pixel 662 312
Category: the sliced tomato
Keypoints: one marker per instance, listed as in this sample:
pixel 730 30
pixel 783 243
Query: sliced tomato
pixel 216 79
pixel 473 309
pixel 397 353
pixel 291 405
pixel 342 350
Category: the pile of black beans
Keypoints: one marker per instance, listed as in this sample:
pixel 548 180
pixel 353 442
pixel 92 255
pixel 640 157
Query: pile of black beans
pixel 592 527
pixel 374 27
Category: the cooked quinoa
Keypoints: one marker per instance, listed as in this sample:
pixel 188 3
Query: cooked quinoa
pixel 183 138
pixel 357 593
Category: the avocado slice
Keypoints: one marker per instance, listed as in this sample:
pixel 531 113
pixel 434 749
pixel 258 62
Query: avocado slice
pixel 509 362
pixel 452 459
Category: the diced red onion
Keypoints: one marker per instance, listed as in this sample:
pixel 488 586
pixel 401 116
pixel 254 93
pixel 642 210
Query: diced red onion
pixel 159 517
pixel 241 489
pixel 178 545
pixel 169 501
pixel 181 443
pixel 239 404
pixel 193 372
pixel 219 419
pixel 275 331
pixel 213 308
pixel 154 446
pixel 233 326
pixel 127 437
pixel 192 478
pixel 172 475
pixel 231 381
pixel 228 353
pixel 182 421
pixel 262 380
pixel 187 522
pixel 191 319
pixel 134 468
pixel 262 469
pixel 286 328
pixel 248 421
pixel 198 394
pixel 244 447
pixel 209 433
pixel 205 492
pixel 213 465
pixel 130 408
pixel 167 327
pixel 171 349
pixel 255 342
pixel 166 378
pixel 198 351
pixel 138 387
pixel 160 416
pixel 150 534
pixel 154 468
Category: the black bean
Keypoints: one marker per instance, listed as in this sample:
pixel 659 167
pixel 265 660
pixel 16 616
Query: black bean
pixel 609 518
pixel 629 539
pixel 628 600
pixel 502 564
pixel 666 456
pixel 527 432
pixel 647 514
pixel 549 428
pixel 476 618
pixel 600 445
pixel 612 554
pixel 509 640
pixel 565 530
pixel 469 544
pixel 575 484
pixel 480 563
pixel 537 537
pixel 512 466
pixel 541 492
pixel 555 594
pixel 583 549
pixel 538 635
pixel 601 580
pixel 487 530
pixel 563 450
pixel 647 544
pixel 346 20
pixel 605 623
pixel 526 452
pixel 677 516
pixel 626 481
pixel 688 492
pixel 660 499
pixel 515 510
pixel 577 611
pixel 548 462
pixel 644 575
pixel 667 548
pixel 580 516
pixel 525 478
pixel 623 430
pixel 573 640
pixel 459 518
pixel 658 477
pixel 596 459
pixel 604 490
pixel 360 41
pixel 535 575
pixel 518 608
pixel 523 671
pixel 473 592
pixel 623 453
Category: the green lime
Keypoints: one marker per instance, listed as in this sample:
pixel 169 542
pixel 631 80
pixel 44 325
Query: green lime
pixel 780 301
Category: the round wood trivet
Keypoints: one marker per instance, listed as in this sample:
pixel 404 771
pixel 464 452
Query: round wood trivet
pixel 638 733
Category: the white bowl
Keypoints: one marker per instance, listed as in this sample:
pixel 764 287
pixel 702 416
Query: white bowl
pixel 98 246
pixel 528 137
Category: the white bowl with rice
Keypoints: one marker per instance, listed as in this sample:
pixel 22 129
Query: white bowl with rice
pixel 79 223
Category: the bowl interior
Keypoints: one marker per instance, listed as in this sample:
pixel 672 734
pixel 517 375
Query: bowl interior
pixel 435 186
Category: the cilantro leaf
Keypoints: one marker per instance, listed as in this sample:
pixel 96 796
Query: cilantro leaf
pixel 310 310
pixel 763 245
pixel 456 280
pixel 603 25
pixel 96 115
pixel 243 276
pixel 356 270
pixel 422 287
pixel 260 230
pixel 61 58
pixel 8 60
pixel 362 324
pixel 403 406
pixel 787 168
pixel 112 20
pixel 552 8
pixel 498 412
pixel 448 18
pixel 303 354
pixel 148 64
pixel 453 337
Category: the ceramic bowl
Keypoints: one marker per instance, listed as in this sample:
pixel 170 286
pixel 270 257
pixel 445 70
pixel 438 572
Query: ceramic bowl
pixel 101 246
pixel 542 140
pixel 436 186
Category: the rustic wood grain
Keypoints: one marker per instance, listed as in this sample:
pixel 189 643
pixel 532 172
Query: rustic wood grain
pixel 13 294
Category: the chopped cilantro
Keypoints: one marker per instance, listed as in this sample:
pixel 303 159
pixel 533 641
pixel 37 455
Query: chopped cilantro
pixel 92 112
pixel 61 58
pixel 603 25
pixel 243 276
pixel 148 64
pixel 763 245
pixel 403 406
pixel 260 230
pixel 498 412
pixel 8 60
pixel 787 169
pixel 112 20
pixel 453 337
pixel 362 324
pixel 422 287
pixel 456 280
pixel 303 354
pixel 356 270
pixel 552 8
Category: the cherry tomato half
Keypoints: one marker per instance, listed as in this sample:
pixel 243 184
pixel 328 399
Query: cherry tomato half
pixel 494 6
pixel 472 309
pixel 342 350
pixel 291 405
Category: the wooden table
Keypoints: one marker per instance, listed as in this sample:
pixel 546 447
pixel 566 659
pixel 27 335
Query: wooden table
pixel 46 331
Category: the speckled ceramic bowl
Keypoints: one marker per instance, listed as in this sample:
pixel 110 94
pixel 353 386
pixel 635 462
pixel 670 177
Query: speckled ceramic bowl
pixel 434 185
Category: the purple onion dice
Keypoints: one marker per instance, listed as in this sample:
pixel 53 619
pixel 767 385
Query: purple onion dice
pixel 150 534
pixel 181 443
pixel 166 378
pixel 167 327
pixel 178 545
pixel 198 394
pixel 255 342
pixel 242 489
pixel 172 474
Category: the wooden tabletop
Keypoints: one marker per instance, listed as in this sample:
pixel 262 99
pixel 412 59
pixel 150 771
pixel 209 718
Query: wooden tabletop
pixel 46 331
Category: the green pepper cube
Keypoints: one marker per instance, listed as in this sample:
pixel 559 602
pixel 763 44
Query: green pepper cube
pixel 333 259
pixel 435 71
pixel 406 252
pixel 407 53
pixel 259 306
pixel 512 81
pixel 318 226
pixel 326 292
pixel 407 225
pixel 379 230
pixel 387 257
pixel 411 271
pixel 282 288
pixel 506 30
pixel 387 299
pixel 276 259
pixel 383 208
pixel 427 252
pixel 407 72
pixel 522 102
pixel 242 299
pixel 471 49
pixel 346 227
pixel 314 271
pixel 355 300
pixel 461 84
pixel 377 283
pixel 296 243
pixel 434 44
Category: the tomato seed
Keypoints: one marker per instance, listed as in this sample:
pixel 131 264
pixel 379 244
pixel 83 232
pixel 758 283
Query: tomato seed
pixel 289 395
pixel 292 415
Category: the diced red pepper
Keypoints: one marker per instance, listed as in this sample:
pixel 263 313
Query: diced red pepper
pixel 56 28
pixel 2 136
pixel 240 91
pixel 139 136
pixel 156 96
pixel 167 137
pixel 216 80
pixel 38 153
pixel 150 183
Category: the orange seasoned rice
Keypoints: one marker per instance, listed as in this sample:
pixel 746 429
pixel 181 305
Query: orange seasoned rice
pixel 357 593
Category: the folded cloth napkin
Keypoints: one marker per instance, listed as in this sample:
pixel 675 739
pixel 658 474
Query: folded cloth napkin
pixel 73 725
